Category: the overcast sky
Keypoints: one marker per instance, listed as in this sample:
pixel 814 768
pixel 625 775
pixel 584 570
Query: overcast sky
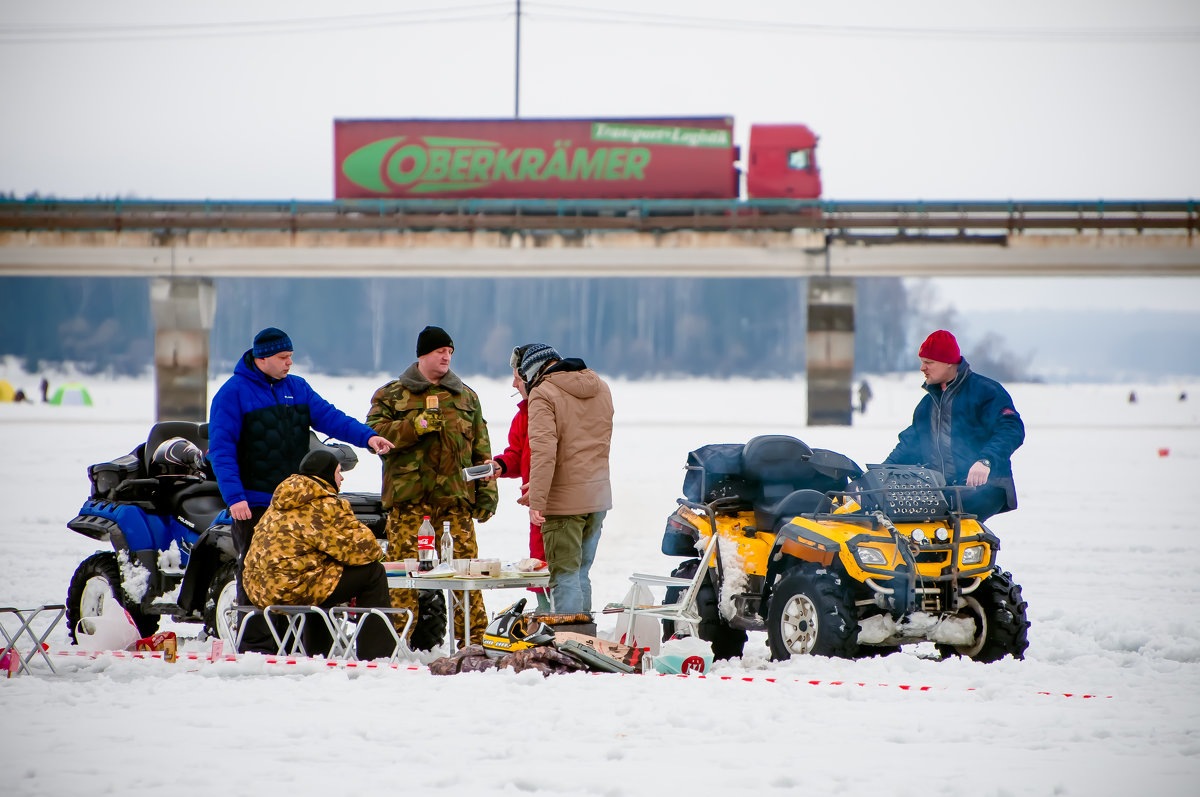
pixel 1024 99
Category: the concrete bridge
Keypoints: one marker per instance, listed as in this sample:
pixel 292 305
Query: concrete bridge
pixel 183 246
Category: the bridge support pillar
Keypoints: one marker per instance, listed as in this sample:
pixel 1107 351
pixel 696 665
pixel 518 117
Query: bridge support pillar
pixel 830 350
pixel 183 312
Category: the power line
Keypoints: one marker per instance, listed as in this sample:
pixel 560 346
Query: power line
pixel 590 14
pixel 37 33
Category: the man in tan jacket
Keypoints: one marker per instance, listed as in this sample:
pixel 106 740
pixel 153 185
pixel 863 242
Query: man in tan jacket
pixel 570 432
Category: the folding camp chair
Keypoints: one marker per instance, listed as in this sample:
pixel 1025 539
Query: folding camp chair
pixel 683 612
pixel 25 621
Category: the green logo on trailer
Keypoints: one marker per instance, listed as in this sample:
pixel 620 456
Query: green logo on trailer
pixel 436 164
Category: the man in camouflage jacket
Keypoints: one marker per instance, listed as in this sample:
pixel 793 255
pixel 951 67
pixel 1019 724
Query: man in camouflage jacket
pixel 310 550
pixel 436 424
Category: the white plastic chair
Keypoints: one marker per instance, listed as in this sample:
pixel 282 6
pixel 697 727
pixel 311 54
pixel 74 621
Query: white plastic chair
pixel 682 612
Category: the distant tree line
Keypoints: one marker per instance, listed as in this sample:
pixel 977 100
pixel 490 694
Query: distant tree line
pixel 634 328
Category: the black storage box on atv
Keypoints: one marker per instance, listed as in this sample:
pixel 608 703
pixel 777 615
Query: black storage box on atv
pixel 106 476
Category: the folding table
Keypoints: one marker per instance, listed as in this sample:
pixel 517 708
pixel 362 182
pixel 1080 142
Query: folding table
pixel 465 585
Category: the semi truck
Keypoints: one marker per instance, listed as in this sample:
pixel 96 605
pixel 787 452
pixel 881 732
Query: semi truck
pixel 626 158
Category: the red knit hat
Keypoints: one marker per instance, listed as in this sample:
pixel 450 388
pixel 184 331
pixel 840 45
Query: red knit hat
pixel 941 347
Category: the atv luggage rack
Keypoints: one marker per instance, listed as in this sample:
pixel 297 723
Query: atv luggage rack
pixel 904 493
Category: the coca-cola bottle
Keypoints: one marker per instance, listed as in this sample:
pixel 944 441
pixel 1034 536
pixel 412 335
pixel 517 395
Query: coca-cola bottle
pixel 426 553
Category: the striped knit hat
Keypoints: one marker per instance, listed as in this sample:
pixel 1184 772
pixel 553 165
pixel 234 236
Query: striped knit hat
pixel 534 359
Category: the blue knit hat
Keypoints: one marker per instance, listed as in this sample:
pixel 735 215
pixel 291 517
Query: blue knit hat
pixel 271 341
pixel 534 358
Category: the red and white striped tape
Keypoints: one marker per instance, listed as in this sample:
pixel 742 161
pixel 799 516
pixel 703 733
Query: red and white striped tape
pixel 902 687
pixel 200 658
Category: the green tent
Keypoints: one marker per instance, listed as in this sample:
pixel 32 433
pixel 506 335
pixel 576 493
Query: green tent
pixel 73 394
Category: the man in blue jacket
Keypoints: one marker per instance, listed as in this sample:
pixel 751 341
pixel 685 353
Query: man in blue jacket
pixel 966 427
pixel 259 431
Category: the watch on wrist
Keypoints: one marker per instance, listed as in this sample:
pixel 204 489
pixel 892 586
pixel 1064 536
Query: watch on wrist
pixel 987 463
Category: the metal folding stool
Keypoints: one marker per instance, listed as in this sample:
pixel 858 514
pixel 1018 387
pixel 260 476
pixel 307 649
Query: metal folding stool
pixel 348 621
pixel 26 618
pixel 292 641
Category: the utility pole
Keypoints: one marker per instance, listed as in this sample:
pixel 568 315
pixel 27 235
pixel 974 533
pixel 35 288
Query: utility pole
pixel 517 77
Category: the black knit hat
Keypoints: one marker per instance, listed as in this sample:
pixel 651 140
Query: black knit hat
pixel 271 341
pixel 322 464
pixel 431 339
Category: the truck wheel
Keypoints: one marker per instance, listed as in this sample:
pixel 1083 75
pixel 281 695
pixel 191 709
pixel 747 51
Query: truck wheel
pixel 1001 624
pixel 727 642
pixel 97 576
pixel 219 600
pixel 430 628
pixel 811 613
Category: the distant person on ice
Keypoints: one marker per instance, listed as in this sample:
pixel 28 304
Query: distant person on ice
pixel 258 434
pixel 966 427
pixel 864 396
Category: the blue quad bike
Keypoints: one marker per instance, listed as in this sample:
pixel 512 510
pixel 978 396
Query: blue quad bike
pixel 172 548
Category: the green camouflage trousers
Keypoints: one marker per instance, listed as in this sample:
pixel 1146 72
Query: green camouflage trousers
pixel 402 526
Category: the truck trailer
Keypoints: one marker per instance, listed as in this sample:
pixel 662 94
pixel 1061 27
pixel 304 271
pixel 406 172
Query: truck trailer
pixel 627 158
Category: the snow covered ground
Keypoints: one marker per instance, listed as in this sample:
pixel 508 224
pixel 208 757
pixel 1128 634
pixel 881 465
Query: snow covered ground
pixel 1105 544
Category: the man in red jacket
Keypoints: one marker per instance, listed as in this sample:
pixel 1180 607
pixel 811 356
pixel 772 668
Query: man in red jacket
pixel 570 433
pixel 514 464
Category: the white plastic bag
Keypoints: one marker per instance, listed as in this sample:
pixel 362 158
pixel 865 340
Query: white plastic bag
pixel 646 630
pixel 684 656
pixel 114 629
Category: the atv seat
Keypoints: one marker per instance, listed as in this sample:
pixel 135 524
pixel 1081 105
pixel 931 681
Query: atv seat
pixel 778 466
pixel 199 503
pixel 798 502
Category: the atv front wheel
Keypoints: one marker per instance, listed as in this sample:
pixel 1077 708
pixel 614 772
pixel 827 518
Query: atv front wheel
pixel 1001 624
pixel 97 576
pixel 727 642
pixel 811 613
pixel 219 600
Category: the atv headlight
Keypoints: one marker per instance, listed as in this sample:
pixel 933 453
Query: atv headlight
pixel 942 534
pixel 872 556
pixel 919 536
pixel 972 555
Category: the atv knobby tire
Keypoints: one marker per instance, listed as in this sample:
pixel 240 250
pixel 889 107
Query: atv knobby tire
pixel 811 613
pixel 727 642
pixel 221 595
pixel 96 576
pixel 1001 624
pixel 430 628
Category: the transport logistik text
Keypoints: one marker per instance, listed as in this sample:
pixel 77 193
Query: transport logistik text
pixel 657 134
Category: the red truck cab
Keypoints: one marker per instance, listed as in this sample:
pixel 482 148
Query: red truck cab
pixel 782 163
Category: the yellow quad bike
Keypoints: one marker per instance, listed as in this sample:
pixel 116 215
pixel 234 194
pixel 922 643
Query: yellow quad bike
pixel 832 561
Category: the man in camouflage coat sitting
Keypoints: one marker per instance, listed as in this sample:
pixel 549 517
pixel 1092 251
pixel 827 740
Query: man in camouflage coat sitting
pixel 436 424
pixel 310 550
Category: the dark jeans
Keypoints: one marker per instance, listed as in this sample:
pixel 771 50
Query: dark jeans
pixel 257 637
pixel 367 586
pixel 983 501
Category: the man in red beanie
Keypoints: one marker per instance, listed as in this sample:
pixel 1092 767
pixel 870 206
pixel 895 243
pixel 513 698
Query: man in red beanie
pixel 966 427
